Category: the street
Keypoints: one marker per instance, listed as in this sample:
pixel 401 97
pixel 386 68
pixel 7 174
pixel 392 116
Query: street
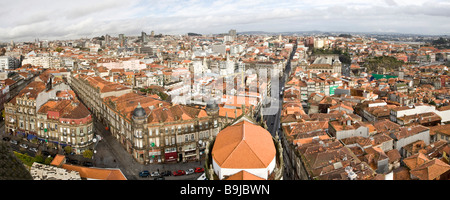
pixel 274 121
pixel 111 154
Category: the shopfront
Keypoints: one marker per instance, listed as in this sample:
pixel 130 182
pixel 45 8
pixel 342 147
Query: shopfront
pixel 170 155
pixel 154 156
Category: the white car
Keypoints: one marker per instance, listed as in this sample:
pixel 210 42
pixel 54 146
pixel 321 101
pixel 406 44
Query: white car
pixel 190 171
pixel 202 177
pixel 154 174
pixel 33 149
pixel 23 145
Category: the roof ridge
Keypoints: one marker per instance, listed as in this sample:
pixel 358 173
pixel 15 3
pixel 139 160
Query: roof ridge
pixel 240 143
pixel 251 150
pixel 234 149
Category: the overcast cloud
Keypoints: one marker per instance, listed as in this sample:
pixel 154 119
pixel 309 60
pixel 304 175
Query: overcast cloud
pixel 24 20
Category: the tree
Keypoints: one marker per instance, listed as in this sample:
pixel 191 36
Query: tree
pixel 34 140
pixel 88 153
pixel 59 49
pixel 38 158
pixel 388 62
pixel 68 149
pixel 345 58
pixel 48 160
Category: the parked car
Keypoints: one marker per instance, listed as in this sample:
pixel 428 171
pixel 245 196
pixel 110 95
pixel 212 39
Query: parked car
pixel 23 145
pixel 179 173
pixel 33 149
pixel 6 139
pixel 202 177
pixel 199 170
pixel 189 171
pixel 144 173
pixel 73 161
pixel 154 174
pixel 45 153
pixel 166 173
pixel 88 164
pixel 13 142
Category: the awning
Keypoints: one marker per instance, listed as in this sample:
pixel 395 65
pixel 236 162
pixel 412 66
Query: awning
pixel 31 136
pixel 171 156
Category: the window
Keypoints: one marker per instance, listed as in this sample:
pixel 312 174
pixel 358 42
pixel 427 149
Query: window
pixel 185 138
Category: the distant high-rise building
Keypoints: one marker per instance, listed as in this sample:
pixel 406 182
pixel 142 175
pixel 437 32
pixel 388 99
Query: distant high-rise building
pixel 232 32
pixel 108 39
pixel 144 37
pixel 231 35
pixel 7 62
pixel 121 40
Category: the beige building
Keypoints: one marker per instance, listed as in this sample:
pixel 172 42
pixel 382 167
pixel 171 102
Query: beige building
pixel 45 112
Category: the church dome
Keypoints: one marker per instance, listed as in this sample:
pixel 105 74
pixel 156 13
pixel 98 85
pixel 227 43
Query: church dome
pixel 211 105
pixel 139 111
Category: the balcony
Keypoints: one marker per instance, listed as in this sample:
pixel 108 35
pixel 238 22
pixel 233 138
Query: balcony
pixel 139 136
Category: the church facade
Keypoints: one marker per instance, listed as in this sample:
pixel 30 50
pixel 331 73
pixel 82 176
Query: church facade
pixel 324 64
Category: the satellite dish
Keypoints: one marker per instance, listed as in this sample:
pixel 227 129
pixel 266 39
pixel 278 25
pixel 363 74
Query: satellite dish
pixel 200 142
pixel 94 140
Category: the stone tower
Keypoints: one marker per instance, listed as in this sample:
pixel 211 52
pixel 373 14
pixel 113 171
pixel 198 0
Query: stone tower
pixel 337 66
pixel 139 134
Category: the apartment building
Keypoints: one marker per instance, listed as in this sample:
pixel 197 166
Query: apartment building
pixel 50 113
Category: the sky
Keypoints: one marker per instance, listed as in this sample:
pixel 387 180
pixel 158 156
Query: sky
pixel 25 20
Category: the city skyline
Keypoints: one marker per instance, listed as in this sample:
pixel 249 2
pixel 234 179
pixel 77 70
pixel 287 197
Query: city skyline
pixel 70 20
